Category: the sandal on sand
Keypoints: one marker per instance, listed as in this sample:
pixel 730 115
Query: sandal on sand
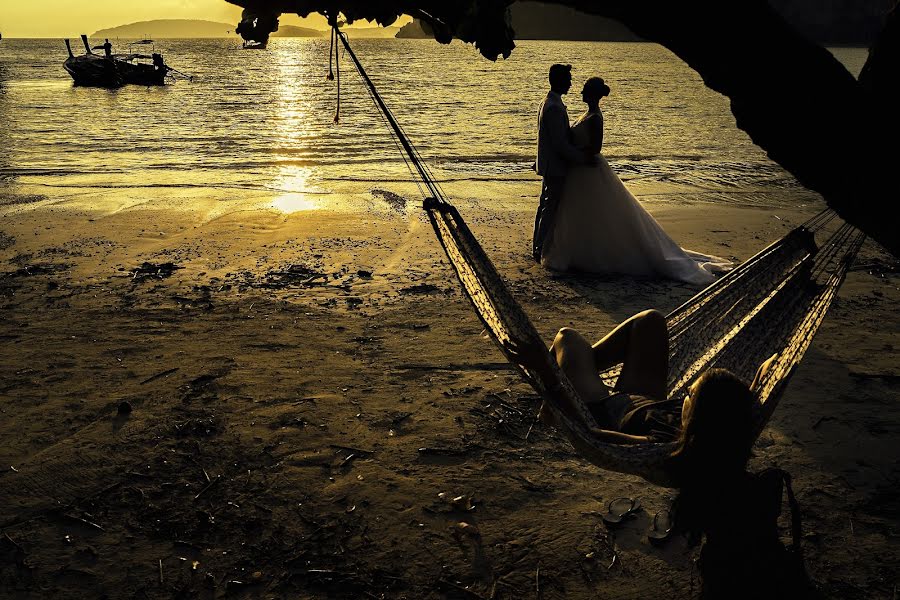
pixel 620 509
pixel 661 529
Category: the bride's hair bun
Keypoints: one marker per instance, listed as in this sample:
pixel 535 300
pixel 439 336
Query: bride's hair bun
pixel 596 87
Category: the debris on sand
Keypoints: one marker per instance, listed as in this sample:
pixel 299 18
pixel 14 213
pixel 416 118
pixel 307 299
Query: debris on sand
pixel 159 375
pixel 292 276
pixel 202 301
pixel 467 529
pixel 36 269
pixel 396 202
pixel 201 426
pixel 7 199
pixel 463 502
pixel 879 267
pixel 442 451
pixel 149 270
pixel 422 288
pixel 8 279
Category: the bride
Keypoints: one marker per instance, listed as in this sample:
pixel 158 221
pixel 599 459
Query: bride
pixel 600 226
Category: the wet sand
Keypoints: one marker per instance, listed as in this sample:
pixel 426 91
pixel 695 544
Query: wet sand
pixel 207 402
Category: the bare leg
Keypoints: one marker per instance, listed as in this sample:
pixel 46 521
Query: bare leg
pixel 574 356
pixel 641 344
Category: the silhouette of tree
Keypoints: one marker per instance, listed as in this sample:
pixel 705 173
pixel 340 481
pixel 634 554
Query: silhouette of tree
pixel 837 135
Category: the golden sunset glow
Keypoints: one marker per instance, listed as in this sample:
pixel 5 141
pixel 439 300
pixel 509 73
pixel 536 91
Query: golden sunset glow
pixel 513 299
pixel 293 191
pixel 297 131
pixel 64 18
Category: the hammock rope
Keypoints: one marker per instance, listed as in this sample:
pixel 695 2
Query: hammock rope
pixel 773 303
pixel 330 76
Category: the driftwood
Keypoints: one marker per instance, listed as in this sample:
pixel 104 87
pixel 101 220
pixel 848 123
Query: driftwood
pixel 836 135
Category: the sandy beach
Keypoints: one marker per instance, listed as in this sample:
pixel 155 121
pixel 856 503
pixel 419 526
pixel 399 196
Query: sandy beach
pixel 210 402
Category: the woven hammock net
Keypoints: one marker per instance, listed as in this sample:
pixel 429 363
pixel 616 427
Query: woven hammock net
pixel 771 304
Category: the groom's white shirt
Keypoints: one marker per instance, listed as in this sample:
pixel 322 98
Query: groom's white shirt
pixel 555 149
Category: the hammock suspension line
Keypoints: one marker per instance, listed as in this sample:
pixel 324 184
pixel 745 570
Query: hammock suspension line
pixel 411 155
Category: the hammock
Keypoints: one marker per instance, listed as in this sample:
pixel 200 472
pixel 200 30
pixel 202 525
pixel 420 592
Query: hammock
pixel 772 303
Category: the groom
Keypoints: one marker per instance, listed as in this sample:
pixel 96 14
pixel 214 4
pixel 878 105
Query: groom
pixel 555 153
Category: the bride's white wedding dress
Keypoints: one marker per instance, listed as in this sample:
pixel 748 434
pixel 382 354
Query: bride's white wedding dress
pixel 600 227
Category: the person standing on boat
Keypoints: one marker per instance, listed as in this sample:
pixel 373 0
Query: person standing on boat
pixel 107 49
pixel 159 63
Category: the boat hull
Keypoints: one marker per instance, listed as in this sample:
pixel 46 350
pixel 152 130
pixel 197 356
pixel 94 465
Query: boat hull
pixel 141 74
pixel 93 71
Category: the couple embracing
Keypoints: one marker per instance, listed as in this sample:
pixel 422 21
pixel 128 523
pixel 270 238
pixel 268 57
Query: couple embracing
pixel 587 220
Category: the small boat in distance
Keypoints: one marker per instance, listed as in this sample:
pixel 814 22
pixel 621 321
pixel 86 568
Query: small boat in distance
pixel 115 70
pixel 254 45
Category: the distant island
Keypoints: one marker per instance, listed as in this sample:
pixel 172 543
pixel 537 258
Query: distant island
pixel 168 28
pixel 292 31
pixel 192 28
pixel 352 32
pixel 371 32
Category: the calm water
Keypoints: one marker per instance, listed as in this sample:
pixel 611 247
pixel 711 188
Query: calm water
pixel 260 122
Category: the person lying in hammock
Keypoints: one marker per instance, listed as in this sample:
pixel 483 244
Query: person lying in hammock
pixel 632 412
pixel 733 511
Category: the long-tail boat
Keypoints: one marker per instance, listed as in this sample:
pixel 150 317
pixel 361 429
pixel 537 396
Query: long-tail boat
pixel 115 70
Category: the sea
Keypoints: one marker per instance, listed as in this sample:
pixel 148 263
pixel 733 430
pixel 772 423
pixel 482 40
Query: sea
pixel 260 125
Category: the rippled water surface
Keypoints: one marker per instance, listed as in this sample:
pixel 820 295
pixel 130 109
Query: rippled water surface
pixel 260 122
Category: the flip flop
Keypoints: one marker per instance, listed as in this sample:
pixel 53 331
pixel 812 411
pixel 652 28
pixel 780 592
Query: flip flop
pixel 661 529
pixel 620 509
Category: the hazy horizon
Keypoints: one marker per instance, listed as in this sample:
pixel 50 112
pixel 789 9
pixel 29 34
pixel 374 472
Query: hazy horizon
pixel 61 19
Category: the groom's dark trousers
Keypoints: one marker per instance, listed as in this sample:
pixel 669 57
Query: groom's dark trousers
pixel 551 192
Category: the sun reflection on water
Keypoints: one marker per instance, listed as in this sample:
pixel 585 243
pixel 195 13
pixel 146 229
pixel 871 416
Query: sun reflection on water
pixel 296 194
pixel 297 133
pixel 292 203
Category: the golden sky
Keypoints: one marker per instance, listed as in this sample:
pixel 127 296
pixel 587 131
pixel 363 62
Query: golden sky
pixel 69 18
